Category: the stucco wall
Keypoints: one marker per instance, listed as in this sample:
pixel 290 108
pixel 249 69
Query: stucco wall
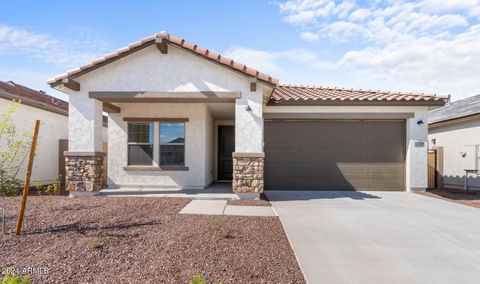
pixel 195 147
pixel 416 155
pixel 453 139
pixel 52 128
pixel 149 70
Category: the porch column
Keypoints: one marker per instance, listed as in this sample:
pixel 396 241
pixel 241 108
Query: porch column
pixel 248 158
pixel 84 158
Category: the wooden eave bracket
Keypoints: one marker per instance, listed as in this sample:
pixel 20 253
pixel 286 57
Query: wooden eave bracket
pixel 110 108
pixel 253 85
pixel 161 45
pixel 71 84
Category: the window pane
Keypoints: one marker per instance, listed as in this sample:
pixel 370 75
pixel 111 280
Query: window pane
pixel 172 133
pixel 140 154
pixel 172 155
pixel 140 132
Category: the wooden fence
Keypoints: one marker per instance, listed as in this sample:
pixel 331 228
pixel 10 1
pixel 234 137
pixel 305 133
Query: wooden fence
pixel 432 168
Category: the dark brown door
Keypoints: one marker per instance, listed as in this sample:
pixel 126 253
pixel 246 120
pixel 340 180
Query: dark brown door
pixel 226 146
pixel 335 155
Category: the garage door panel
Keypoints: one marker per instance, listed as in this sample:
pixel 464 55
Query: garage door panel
pixel 348 127
pixel 352 168
pixel 350 183
pixel 322 154
pixel 384 169
pixel 385 184
pixel 335 155
pixel 349 141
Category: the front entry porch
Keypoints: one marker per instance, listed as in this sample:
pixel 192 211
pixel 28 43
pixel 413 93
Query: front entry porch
pixel 215 191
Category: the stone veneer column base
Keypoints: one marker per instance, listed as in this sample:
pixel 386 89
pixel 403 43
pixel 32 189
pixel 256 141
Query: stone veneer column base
pixel 84 173
pixel 248 174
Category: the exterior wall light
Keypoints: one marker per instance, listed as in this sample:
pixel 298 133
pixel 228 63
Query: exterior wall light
pixel 420 122
pixel 248 108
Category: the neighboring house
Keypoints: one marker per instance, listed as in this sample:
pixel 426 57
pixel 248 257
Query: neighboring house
pixel 236 123
pixel 53 114
pixel 454 130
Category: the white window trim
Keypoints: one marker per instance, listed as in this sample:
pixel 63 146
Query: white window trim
pixel 139 143
pixel 157 145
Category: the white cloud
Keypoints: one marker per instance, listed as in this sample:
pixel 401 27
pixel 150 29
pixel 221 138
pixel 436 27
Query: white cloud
pixel 448 6
pixel 359 15
pixel 308 36
pixel 427 45
pixel 64 52
pixel 306 11
pixel 273 62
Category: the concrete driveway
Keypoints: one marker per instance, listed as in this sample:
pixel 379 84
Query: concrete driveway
pixel 380 237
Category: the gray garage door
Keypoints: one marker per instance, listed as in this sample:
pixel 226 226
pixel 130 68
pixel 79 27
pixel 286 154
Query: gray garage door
pixel 335 155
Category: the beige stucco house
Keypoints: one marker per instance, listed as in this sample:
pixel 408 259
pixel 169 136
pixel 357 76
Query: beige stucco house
pixel 454 132
pixel 183 116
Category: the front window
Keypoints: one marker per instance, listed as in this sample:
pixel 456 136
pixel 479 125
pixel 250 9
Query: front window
pixel 172 144
pixel 140 143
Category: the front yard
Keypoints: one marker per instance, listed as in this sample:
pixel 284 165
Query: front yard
pixel 143 240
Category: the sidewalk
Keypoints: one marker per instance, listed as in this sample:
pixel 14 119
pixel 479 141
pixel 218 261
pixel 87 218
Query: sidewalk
pixel 220 207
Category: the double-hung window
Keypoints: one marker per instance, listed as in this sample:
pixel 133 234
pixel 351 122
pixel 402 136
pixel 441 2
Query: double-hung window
pixel 172 144
pixel 140 143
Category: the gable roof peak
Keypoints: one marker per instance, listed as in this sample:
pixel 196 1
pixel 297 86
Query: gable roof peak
pixel 164 36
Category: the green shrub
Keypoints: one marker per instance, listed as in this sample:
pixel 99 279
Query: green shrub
pixel 217 224
pixel 51 189
pixel 198 279
pixel 14 279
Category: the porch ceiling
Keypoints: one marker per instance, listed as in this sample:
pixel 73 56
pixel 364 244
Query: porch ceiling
pixel 166 97
pixel 222 111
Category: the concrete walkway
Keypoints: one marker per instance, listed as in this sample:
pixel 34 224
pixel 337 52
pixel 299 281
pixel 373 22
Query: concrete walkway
pixel 220 207
pixel 380 237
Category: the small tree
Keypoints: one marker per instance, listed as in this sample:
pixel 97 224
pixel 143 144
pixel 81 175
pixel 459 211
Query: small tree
pixel 14 147
pixel 13 151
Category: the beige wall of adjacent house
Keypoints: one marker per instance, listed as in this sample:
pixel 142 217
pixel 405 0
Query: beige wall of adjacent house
pixel 416 155
pixel 453 138
pixel 52 128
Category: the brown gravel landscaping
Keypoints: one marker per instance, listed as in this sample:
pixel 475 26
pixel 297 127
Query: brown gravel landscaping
pixel 470 198
pixel 144 240
pixel 263 201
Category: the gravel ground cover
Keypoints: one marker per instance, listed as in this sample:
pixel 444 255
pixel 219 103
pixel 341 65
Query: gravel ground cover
pixel 144 240
pixel 470 197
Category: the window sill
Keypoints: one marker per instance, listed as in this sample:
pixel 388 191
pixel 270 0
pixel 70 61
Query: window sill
pixel 155 168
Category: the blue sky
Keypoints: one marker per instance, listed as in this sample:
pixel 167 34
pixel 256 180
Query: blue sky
pixel 428 46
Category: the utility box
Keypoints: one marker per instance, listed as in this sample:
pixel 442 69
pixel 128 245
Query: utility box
pixel 470 158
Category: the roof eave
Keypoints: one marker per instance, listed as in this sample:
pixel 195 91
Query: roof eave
pixel 352 103
pixel 454 120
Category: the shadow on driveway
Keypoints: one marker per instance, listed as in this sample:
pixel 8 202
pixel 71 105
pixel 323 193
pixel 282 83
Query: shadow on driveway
pixel 291 195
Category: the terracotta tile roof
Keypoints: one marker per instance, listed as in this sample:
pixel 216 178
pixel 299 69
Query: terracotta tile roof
pixel 11 90
pixel 309 94
pixel 180 42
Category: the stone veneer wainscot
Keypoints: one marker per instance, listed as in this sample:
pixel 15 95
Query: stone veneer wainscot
pixel 248 172
pixel 84 171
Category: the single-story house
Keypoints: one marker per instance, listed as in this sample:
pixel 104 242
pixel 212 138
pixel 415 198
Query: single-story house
pixel 454 131
pixel 184 116
pixel 53 114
